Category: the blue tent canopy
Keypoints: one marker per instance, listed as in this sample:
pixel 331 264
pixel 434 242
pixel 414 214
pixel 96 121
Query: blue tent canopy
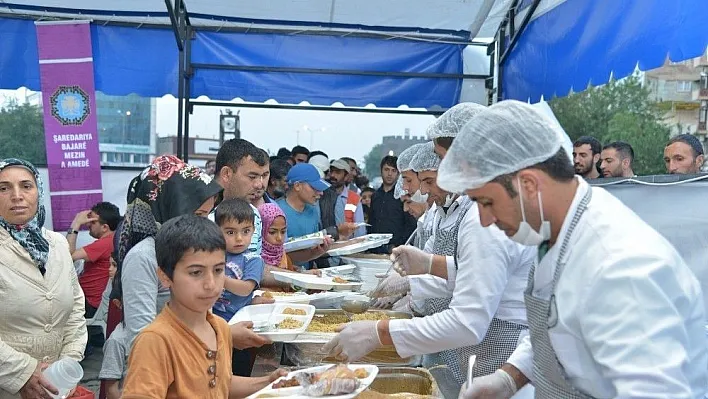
pixel 388 54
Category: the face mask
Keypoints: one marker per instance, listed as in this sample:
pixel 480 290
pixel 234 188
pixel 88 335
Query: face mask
pixel 419 198
pixel 526 235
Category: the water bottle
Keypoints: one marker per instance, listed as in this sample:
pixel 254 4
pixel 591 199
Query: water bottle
pixel 65 375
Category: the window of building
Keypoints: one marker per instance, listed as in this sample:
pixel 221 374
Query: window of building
pixel 683 86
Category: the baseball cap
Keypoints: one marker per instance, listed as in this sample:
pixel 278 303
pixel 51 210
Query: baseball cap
pixel 341 164
pixel 307 173
pixel 321 162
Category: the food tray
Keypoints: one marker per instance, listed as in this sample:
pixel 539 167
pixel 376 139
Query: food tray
pixel 402 382
pixel 271 314
pixel 306 350
pixel 341 269
pixel 295 392
pixel 312 282
pixel 286 297
pixel 371 241
pixel 302 243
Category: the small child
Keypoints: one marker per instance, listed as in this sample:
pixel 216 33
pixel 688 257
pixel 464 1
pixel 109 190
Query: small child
pixel 366 194
pixel 244 271
pixel 186 351
pixel 115 349
pixel 274 233
pixel 275 229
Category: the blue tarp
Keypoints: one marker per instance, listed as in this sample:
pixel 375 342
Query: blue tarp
pixel 585 41
pixel 144 61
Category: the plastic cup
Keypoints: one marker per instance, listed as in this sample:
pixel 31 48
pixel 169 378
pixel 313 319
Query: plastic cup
pixel 65 374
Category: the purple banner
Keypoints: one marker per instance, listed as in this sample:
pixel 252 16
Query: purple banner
pixel 70 128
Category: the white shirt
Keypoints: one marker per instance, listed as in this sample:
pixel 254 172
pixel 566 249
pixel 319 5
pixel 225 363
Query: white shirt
pixel 442 220
pixel 630 312
pixel 428 286
pixel 493 271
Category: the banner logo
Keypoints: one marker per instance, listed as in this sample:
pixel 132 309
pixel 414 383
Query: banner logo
pixel 70 105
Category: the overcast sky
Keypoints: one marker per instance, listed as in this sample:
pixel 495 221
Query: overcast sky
pixel 336 133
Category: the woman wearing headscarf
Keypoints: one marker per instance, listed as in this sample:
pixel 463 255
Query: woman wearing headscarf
pixel 166 189
pixel 42 312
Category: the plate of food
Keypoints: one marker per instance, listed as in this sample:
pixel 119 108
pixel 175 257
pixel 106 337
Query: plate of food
pixel 284 297
pixel 305 242
pixel 360 244
pixel 313 282
pixel 339 381
pixel 279 322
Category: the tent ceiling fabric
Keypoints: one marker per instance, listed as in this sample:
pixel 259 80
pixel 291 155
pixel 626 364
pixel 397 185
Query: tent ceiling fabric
pixel 150 69
pixel 586 41
pixel 435 19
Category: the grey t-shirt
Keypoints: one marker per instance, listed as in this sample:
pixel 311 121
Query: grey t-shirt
pixel 115 355
pixel 143 295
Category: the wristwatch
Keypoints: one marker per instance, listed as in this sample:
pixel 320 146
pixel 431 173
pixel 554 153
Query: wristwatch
pixel 71 231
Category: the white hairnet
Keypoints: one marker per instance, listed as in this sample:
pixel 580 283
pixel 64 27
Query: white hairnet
pixel 425 158
pixel 505 138
pixel 451 122
pixel 567 143
pixel 398 190
pixel 404 159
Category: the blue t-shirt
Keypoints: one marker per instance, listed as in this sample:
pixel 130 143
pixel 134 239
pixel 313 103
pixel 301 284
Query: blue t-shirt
pixel 243 266
pixel 301 223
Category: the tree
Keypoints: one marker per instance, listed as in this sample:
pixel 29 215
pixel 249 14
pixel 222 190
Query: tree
pixel 22 133
pixel 647 140
pixel 620 110
pixel 372 161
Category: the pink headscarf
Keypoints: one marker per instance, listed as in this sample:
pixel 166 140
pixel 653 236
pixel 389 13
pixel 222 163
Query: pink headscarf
pixel 271 254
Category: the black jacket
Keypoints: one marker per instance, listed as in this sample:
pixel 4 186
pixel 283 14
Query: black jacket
pixel 387 216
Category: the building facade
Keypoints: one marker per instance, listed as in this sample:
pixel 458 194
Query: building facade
pixel 199 152
pixel 681 90
pixel 396 144
pixel 126 129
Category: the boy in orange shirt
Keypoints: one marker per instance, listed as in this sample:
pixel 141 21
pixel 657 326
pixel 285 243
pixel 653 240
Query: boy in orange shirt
pixel 186 351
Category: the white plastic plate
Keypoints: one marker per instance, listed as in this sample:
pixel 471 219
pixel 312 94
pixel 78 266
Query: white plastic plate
pixel 296 392
pixel 372 241
pixel 305 243
pixel 273 314
pixel 312 282
pixel 292 297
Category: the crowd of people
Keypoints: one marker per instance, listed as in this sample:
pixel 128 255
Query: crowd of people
pixel 683 154
pixel 485 217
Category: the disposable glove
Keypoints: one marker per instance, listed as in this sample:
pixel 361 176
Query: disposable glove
pixel 499 385
pixel 409 260
pixel 354 341
pixel 393 285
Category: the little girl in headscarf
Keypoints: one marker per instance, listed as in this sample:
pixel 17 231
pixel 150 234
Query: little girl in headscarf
pixel 275 228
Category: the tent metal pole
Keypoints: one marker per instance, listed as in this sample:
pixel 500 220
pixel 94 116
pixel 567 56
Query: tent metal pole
pixel 180 83
pixel 520 31
pixel 222 104
pixel 187 89
pixel 322 71
pixel 174 23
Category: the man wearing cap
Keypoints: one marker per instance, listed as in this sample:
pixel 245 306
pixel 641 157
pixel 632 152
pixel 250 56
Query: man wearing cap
pixel 321 162
pixel 683 155
pixel 348 207
pixel 613 310
pixel 300 202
